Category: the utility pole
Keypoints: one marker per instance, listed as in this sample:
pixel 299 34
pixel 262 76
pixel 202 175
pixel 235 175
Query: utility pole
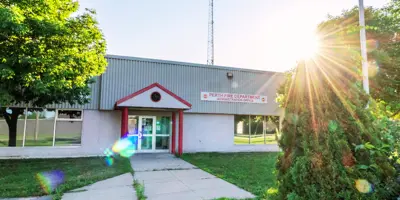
pixel 363 42
pixel 210 47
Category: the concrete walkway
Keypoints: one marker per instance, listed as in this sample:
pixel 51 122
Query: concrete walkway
pixel 119 187
pixel 166 177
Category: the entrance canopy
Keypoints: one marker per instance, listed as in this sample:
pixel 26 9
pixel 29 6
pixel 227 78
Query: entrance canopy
pixel 154 96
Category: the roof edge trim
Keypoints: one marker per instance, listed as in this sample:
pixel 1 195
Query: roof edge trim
pixel 189 64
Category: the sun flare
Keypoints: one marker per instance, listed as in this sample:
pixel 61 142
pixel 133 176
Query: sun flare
pixel 307 47
pixel 288 47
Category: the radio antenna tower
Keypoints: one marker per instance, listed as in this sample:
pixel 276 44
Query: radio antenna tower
pixel 210 48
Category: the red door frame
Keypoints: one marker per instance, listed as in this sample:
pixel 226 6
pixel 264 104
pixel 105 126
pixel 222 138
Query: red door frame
pixel 124 121
pixel 180 141
pixel 173 136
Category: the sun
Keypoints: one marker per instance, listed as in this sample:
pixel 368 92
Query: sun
pixel 286 48
pixel 307 47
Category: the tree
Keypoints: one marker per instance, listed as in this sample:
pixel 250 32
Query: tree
pixel 331 143
pixel 47 55
pixel 388 79
pixel 383 42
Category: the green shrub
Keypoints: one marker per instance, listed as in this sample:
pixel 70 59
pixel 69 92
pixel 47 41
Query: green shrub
pixel 330 141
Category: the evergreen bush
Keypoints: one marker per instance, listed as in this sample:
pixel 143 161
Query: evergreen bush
pixel 332 145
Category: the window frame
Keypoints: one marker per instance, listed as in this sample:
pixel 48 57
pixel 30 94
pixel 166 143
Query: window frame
pixel 26 110
pixel 66 119
pixel 56 119
pixel 264 118
pixel 54 127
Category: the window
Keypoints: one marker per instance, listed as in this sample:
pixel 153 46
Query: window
pixel 242 129
pixel 70 115
pixel 163 125
pixel 133 128
pixel 68 128
pixel 155 96
pixel 255 129
pixel 133 123
pixel 44 127
pixel 39 127
pixel 163 131
pixel 3 132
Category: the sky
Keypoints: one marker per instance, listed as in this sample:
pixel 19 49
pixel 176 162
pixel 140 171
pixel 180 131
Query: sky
pixel 255 34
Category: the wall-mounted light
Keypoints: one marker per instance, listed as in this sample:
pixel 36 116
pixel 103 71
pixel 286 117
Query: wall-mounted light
pixel 229 75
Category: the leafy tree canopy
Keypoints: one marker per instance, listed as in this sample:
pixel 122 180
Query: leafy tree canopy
pixel 47 55
pixel 383 43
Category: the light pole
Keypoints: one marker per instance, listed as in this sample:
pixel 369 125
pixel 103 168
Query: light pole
pixel 363 42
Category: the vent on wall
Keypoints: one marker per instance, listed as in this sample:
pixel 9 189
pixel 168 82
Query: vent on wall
pixel 155 96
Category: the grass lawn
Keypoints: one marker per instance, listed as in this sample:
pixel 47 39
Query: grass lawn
pixel 44 140
pixel 244 139
pixel 253 172
pixel 18 177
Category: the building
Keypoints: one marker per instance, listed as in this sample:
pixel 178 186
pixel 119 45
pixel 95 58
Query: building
pixel 171 106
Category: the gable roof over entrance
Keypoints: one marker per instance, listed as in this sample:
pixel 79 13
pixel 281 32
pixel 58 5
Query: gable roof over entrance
pixel 162 98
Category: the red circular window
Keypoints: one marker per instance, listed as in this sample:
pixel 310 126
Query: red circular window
pixel 155 96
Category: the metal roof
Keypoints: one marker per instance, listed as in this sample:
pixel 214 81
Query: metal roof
pixel 126 75
pixel 188 64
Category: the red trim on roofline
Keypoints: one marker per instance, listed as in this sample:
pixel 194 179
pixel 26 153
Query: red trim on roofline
pixel 150 87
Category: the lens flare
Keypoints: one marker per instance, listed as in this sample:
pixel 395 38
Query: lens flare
pixel 109 160
pixel 364 186
pixel 49 181
pixel 125 147
pixel 120 145
pixel 108 152
pixel 128 152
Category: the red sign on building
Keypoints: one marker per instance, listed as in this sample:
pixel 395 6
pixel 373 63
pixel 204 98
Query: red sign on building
pixel 230 97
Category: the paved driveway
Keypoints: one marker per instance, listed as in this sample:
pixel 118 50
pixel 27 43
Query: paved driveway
pixel 166 177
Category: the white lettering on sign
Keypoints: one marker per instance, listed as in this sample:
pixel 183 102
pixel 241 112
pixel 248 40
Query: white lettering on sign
pixel 229 97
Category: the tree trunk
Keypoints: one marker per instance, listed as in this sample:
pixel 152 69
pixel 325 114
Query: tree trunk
pixel 12 120
pixel 12 131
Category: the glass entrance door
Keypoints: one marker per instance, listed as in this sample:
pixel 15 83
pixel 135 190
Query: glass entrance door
pixel 154 134
pixel 163 131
